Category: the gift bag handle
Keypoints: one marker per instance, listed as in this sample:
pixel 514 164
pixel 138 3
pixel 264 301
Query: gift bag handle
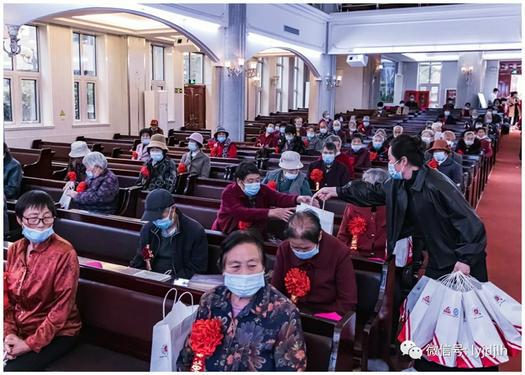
pixel 191 296
pixel 165 298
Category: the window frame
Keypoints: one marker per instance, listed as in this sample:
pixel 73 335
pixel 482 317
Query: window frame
pixel 83 80
pixel 158 84
pixel 428 84
pixel 259 91
pixel 279 72
pixel 186 56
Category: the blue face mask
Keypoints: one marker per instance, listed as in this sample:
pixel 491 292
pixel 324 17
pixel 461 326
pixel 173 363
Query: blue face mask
pixel 396 175
pixel 89 174
pixel 328 158
pixel 310 135
pixel 192 146
pixel 290 176
pixel 289 137
pixel 244 285
pixel 440 156
pixel 163 224
pixel 221 138
pixel 282 130
pixel 306 254
pixel 252 189
pixel 356 148
pixel 156 156
pixel 145 141
pixel 377 145
pixel 37 236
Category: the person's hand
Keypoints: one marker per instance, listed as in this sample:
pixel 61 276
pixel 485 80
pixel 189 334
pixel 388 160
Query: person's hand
pixel 15 346
pixel 462 267
pixel 9 339
pixel 72 193
pixel 307 200
pixel 326 193
pixel 281 213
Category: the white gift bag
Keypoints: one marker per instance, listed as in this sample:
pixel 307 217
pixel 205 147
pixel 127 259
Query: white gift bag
pixel 465 356
pixel 503 304
pixel 411 299
pixel 325 217
pixel 403 251
pixel 65 200
pixel 487 342
pixel 170 333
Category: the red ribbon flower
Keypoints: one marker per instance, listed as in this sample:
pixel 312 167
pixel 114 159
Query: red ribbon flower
pixel 433 163
pixel 205 336
pixel 272 184
pixel 82 187
pixel 317 175
pixel 357 226
pixel 297 283
pixel 181 168
pixel 72 176
pixel 243 225
pixel 144 171
pixel 134 155
pixel 305 143
pixel 276 149
pixel 147 254
pixel 373 156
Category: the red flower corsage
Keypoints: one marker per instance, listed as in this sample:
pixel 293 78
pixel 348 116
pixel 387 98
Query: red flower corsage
pixel 134 155
pixel 297 283
pixel 317 175
pixel 147 254
pixel 206 335
pixel 356 226
pixel 181 168
pixel 243 225
pixel 272 184
pixel 82 187
pixel 276 149
pixel 72 176
pixel 373 156
pixel 433 163
pixel 144 171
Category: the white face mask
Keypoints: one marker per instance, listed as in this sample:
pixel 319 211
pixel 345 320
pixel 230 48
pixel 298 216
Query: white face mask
pixel 337 128
pixel 323 130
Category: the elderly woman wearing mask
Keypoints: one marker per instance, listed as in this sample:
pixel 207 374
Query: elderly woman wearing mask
pixel 222 146
pixel 469 144
pixel 101 193
pixel 427 136
pixel 261 327
pixel 339 131
pixel 289 178
pixel 195 161
pixel 160 172
pixel 378 148
pixel 41 319
pixel 313 144
pixel 141 152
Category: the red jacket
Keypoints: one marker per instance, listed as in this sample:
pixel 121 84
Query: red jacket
pixel 236 207
pixel 331 273
pixel 361 158
pixel 373 241
pixel 486 147
pixel 270 141
pixel 347 161
pixel 42 292
pixel 216 149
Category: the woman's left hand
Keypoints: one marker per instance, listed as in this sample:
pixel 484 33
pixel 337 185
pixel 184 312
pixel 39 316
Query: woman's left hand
pixel 17 346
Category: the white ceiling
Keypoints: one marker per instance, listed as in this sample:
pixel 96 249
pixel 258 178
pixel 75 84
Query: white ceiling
pixel 450 56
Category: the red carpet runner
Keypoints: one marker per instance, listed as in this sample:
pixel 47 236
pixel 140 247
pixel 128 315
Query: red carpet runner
pixel 500 210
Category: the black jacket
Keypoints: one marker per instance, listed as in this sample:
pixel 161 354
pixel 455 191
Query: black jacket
pixel 296 144
pixel 190 247
pixel 452 170
pixel 451 229
pixel 336 175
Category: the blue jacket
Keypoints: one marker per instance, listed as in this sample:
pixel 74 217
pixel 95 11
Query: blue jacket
pixel 12 177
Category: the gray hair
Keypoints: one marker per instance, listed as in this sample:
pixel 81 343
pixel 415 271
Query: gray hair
pixel 428 131
pixel 375 176
pixel 398 127
pixel 336 122
pixel 95 159
pixel 334 138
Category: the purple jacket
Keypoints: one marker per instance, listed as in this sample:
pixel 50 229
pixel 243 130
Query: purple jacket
pixel 101 195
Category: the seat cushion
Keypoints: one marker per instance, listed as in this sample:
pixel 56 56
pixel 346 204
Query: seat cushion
pixel 87 357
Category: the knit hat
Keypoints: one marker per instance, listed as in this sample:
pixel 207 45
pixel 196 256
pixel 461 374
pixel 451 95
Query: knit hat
pixel 156 202
pixel 290 160
pixel 220 129
pixel 159 141
pixel 196 137
pixel 79 149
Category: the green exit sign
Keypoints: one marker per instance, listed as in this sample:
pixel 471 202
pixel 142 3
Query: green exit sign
pixel 192 81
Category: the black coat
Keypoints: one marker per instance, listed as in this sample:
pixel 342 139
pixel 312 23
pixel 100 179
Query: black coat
pixel 296 144
pixel 337 175
pixel 190 247
pixel 452 170
pixel 451 229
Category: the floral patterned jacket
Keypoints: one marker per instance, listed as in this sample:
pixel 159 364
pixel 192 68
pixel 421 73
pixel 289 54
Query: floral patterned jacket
pixel 162 175
pixel 265 336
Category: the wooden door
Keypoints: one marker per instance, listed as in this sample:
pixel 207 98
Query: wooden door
pixel 195 106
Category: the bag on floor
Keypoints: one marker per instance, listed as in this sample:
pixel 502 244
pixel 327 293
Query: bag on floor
pixel 170 333
pixel 487 342
pixel 403 252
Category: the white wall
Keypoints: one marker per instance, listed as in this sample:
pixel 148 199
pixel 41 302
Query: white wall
pixel 349 94
pixel 490 80
pixel 409 76
pixel 449 71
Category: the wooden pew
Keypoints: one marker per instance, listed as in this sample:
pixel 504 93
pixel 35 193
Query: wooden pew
pixel 34 162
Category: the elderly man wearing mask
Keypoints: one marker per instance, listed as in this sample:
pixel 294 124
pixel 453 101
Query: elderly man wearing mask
pixel 289 179
pixel 442 156
pixel 328 171
pixel 326 120
pixel 469 144
pixel 427 136
pixel 359 152
pixel 154 127
pixel 402 109
pixel 291 141
pixel 365 128
pixel 299 129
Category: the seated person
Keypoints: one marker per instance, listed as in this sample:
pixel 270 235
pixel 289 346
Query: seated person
pixel 196 162
pixel 378 149
pixel 381 132
pixel 450 138
pixel 101 194
pixel 261 327
pixel 313 144
pixel 337 130
pixel 437 128
pixel 289 179
pixel 427 136
pixel 246 203
pixel 412 104
pixel 449 119
pixel 380 110
pixel 373 241
pixel 442 155
pixel 323 132
pixel 469 144
pixel 352 128
pixel 342 157
pixel 498 107
pixel 402 109
pixel 178 244
pixel 449 105
pixel 160 172
pixel 41 319
pixel 154 127
pixel 79 149
pixel 486 143
pixel 282 130
pixel 365 128
pixel 222 146
pixel 396 132
pixel 291 142
pixel 491 117
pixel 465 112
pixel 326 120
pixel 12 175
pixel 359 152
pixel 268 138
pixel 298 123
pixel 142 153
pixel 333 173
pixel 325 259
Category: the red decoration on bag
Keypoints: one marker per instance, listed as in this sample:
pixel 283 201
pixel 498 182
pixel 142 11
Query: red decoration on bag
pixel 72 176
pixel 356 226
pixel 317 175
pixel 243 225
pixel 82 187
pixel 373 156
pixel 144 171
pixel 297 283
pixel 272 184
pixel 205 336
pixel 134 155
pixel 147 254
pixel 181 168
pixel 433 164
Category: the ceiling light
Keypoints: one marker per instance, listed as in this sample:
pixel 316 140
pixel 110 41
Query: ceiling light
pixel 431 57
pixel 438 48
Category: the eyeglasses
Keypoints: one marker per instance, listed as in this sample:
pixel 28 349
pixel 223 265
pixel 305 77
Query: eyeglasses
pixel 36 220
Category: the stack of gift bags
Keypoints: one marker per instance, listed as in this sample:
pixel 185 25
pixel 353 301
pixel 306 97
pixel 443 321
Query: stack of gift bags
pixel 460 322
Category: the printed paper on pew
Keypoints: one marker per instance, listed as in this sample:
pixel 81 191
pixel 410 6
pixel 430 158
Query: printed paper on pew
pixel 152 275
pixel 65 200
pixel 326 217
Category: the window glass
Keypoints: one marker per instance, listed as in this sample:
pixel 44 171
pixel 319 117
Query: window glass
pixel 88 62
pixel 29 100
pixel 424 73
pixel 8 62
pixel 157 54
pixel 186 58
pixel 27 59
pixel 76 99
pixel 435 73
pixel 91 101
pixel 386 82
pixel 76 54
pixel 8 107
pixel 196 68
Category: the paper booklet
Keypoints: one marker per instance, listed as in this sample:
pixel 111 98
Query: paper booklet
pixel 205 282
pixel 152 275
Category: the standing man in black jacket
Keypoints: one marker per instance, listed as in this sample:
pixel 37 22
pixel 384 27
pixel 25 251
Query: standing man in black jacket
pixel 176 242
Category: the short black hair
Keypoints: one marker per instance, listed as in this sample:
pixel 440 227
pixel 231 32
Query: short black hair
pixel 495 89
pixel 357 136
pixel 37 199
pixel 380 104
pixel 290 129
pixel 410 147
pixel 330 146
pixel 245 168
pixel 145 131
pixel 301 218
pixel 402 102
pixel 467 103
pixel 240 237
